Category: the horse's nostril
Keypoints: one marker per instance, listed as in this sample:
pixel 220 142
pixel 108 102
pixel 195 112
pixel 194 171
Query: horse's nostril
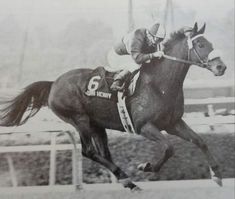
pixel 219 67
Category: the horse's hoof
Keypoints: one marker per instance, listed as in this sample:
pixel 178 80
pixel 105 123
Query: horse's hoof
pixel 127 183
pixel 144 167
pixel 136 189
pixel 216 179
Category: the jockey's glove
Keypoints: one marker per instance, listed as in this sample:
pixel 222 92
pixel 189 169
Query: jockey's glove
pixel 158 54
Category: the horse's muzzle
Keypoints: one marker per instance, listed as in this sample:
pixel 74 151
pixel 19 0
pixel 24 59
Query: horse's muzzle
pixel 217 66
pixel 221 70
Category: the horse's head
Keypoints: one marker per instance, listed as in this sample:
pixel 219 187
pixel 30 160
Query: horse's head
pixel 202 52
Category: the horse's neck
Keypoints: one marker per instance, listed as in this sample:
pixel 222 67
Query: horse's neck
pixel 169 75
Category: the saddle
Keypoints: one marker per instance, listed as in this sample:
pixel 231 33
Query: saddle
pixel 100 80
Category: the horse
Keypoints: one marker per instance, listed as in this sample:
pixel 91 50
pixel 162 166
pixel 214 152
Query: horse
pixel 157 104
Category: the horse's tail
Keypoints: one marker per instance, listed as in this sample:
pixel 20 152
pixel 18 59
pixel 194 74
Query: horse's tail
pixel 30 100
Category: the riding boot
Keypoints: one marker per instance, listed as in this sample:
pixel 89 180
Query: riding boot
pixel 119 80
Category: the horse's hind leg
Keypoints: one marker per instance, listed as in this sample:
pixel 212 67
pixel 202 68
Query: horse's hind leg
pixel 95 147
pixel 182 130
pixel 151 132
pixel 100 141
pixel 90 134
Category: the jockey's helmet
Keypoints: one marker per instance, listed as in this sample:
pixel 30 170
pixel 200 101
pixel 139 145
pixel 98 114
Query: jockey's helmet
pixel 158 30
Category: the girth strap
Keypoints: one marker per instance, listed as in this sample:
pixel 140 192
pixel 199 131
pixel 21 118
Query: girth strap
pixel 124 115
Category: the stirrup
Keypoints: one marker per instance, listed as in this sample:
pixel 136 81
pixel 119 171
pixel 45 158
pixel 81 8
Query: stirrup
pixel 117 88
pixel 117 85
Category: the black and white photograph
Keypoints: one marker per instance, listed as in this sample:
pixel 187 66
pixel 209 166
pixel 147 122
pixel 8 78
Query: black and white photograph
pixel 117 99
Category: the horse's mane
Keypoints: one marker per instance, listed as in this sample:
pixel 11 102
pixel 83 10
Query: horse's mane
pixel 174 37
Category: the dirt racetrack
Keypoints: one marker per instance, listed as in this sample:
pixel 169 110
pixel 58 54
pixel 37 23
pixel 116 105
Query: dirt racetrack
pixel 187 189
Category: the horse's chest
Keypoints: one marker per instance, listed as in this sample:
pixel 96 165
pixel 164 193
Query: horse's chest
pixel 158 109
pixel 172 110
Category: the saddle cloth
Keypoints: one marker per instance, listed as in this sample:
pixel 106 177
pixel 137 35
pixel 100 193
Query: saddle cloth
pixel 99 84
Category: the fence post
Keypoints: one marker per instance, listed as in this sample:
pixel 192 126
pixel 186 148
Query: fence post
pixel 211 113
pixel 52 175
pixel 77 163
pixel 12 171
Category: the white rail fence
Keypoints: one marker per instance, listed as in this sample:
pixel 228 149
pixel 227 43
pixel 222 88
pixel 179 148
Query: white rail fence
pixel 46 127
pixel 212 118
pixel 52 148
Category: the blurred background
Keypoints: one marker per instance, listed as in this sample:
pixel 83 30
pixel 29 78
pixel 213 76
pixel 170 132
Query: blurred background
pixel 39 40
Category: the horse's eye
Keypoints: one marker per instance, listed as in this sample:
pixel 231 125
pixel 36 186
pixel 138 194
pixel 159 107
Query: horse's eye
pixel 200 45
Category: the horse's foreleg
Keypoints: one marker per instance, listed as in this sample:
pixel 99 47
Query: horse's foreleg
pixel 151 132
pixel 182 130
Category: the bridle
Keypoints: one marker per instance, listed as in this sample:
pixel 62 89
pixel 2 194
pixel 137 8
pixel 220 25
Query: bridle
pixel 201 63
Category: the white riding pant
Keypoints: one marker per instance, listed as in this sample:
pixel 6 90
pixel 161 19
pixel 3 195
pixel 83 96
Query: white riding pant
pixel 121 62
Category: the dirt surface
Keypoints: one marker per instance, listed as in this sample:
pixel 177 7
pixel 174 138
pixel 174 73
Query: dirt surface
pixel 193 189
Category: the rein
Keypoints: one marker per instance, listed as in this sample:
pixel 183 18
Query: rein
pixel 203 65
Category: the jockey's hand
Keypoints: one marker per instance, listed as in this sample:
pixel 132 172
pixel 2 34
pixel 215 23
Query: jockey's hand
pixel 158 54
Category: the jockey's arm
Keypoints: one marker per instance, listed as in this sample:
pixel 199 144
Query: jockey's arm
pixel 136 48
pixel 141 58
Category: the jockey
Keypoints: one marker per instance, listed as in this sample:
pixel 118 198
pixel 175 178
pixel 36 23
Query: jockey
pixel 143 45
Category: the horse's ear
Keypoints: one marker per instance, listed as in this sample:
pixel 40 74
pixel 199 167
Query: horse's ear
pixel 202 30
pixel 195 28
